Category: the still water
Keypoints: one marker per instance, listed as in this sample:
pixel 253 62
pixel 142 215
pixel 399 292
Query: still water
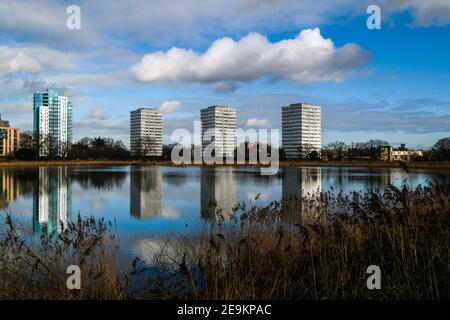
pixel 151 202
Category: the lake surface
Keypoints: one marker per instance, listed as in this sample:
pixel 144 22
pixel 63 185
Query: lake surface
pixel 151 202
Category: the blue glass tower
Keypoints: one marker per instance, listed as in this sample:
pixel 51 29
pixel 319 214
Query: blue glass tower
pixel 52 121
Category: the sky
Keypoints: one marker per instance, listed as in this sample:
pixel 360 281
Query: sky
pixel 253 55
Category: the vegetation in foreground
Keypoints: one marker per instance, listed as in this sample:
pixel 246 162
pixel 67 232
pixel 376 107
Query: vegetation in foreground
pixel 314 247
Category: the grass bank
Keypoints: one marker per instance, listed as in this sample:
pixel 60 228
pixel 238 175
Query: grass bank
pixel 314 247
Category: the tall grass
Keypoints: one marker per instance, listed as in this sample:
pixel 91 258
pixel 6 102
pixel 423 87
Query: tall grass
pixel 37 270
pixel 312 247
pixel 319 247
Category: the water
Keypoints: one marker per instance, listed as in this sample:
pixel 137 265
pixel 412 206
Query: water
pixel 151 202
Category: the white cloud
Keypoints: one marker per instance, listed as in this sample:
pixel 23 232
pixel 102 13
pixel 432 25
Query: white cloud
pixel 98 113
pixel 431 12
pixel 424 13
pixel 225 87
pixel 307 58
pixel 255 122
pixel 31 60
pixel 115 128
pixel 161 23
pixel 169 106
pixel 98 204
pixel 170 213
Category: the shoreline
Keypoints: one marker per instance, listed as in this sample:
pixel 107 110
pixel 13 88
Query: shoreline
pixel 291 164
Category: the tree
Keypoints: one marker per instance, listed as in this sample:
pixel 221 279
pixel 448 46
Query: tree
pixel 85 142
pixel 64 149
pixel 167 151
pixel 441 149
pixel 98 142
pixel 335 151
pixel 366 150
pixel 308 152
pixel 98 148
pixel 282 154
pixel 147 147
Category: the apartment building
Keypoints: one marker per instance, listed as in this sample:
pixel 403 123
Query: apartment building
pixel 301 129
pixel 146 132
pixel 219 129
pixel 9 138
pixel 52 118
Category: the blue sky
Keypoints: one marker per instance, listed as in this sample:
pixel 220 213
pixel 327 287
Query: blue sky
pixel 254 55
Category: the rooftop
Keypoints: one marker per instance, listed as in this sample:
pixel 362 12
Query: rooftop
pixel 3 123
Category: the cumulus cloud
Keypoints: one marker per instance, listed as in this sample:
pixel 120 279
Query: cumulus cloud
pixel 95 127
pixel 44 21
pixel 424 13
pixel 410 116
pixel 31 60
pixel 98 113
pixel 307 58
pixel 225 87
pixel 255 122
pixel 169 106
pixel 432 12
pixel 163 22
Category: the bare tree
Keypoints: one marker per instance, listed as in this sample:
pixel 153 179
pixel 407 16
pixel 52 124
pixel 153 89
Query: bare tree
pixel 147 146
pixel 335 151
pixel 42 144
pixel 307 151
pixel 64 149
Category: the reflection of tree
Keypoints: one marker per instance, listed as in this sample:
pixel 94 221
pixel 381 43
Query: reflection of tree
pixel 355 178
pixel 371 178
pixel 97 179
pixel 175 178
pixel 253 176
pixel 26 180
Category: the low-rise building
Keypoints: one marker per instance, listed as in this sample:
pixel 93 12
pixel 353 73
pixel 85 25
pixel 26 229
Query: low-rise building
pixel 9 138
pixel 388 153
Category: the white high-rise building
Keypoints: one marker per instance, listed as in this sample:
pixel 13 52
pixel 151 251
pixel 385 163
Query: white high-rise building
pixel 219 129
pixel 52 122
pixel 146 132
pixel 301 129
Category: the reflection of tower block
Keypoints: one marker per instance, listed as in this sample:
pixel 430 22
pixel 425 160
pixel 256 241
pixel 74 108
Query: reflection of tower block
pixel 218 192
pixel 9 188
pixel 51 201
pixel 298 183
pixel 145 192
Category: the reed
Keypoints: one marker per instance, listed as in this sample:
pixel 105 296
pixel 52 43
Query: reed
pixel 31 269
pixel 317 246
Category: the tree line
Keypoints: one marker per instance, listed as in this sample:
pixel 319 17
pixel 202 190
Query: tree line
pixel 108 148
